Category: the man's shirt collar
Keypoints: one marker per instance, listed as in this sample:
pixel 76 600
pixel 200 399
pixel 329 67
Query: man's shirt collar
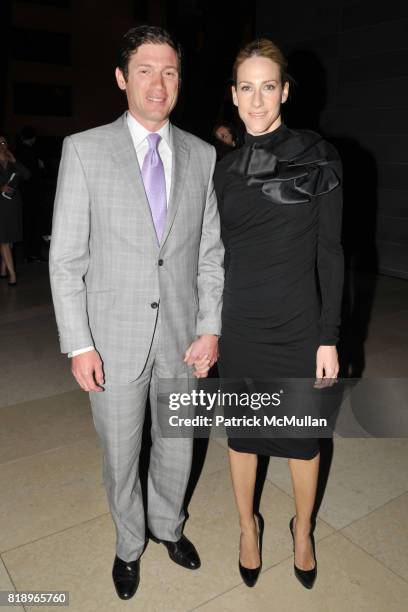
pixel 139 133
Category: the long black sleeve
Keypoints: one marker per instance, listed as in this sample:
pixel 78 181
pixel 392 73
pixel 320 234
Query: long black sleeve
pixel 330 261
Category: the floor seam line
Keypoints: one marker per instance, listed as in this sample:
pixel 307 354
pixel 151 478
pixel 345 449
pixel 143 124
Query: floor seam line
pixel 266 569
pixel 11 578
pixel 373 557
pixel 50 535
pixel 38 399
pixel 374 510
pixel 50 450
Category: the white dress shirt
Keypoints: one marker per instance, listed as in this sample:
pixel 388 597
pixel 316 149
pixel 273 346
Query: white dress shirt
pixel 139 136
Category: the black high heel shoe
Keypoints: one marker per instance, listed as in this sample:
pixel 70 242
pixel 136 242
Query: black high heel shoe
pixel 248 575
pixel 305 577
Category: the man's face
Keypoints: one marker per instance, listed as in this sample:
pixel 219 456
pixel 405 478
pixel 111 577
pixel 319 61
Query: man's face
pixel 152 85
pixel 259 94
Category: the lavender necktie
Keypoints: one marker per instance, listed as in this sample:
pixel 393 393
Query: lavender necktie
pixel 155 184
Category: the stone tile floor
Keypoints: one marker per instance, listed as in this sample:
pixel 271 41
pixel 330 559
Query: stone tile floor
pixel 55 527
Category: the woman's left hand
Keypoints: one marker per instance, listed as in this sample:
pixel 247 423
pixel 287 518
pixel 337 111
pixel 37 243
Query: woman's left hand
pixel 202 367
pixel 327 366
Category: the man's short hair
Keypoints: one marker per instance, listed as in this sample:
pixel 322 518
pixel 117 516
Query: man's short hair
pixel 141 35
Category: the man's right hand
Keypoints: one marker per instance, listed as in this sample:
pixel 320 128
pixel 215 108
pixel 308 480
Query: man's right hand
pixel 87 370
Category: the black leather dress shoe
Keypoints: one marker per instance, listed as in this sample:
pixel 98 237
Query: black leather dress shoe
pixel 248 575
pixel 305 577
pixel 182 552
pixel 126 576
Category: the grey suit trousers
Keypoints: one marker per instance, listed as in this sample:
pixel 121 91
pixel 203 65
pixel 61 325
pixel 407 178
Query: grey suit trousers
pixel 118 415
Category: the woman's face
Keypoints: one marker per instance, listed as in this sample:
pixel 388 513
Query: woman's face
pixel 259 94
pixel 3 148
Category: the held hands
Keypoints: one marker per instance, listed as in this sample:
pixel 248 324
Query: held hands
pixel 87 371
pixel 202 354
pixel 327 366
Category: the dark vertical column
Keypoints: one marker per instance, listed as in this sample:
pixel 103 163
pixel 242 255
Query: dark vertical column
pixel 5 29
pixel 157 11
pixel 350 61
pixel 211 33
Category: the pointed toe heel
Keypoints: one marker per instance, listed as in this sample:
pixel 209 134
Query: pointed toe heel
pixel 306 577
pixel 248 575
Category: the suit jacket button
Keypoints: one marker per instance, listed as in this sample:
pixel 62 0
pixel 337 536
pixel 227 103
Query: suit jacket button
pixel 154 305
pixel 160 262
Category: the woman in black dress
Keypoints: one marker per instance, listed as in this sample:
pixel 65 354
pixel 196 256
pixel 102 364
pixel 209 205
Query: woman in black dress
pixel 11 215
pixel 280 203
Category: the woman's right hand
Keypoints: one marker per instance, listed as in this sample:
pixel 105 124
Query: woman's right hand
pixel 6 189
pixel 327 366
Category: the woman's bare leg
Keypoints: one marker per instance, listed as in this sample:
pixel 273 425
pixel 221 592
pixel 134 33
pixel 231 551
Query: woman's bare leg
pixel 243 473
pixel 304 475
pixel 7 258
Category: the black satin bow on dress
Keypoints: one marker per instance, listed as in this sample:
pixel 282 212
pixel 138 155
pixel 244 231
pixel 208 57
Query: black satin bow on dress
pixel 302 165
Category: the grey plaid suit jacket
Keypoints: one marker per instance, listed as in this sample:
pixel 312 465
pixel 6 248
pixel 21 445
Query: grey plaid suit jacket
pixel 107 271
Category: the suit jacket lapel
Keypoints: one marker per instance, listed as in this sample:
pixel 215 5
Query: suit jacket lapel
pixel 125 156
pixel 181 154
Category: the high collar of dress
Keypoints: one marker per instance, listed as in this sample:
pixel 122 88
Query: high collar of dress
pixel 290 166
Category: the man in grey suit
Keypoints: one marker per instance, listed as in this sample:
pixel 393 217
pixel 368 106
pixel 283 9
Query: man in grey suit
pixel 136 265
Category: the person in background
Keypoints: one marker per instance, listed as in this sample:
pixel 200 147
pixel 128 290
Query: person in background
pixel 11 173
pixel 225 139
pixel 33 194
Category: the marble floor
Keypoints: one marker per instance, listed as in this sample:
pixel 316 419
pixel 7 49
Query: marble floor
pixel 55 528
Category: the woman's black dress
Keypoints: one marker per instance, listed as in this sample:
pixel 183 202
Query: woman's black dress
pixel 280 202
pixel 11 211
